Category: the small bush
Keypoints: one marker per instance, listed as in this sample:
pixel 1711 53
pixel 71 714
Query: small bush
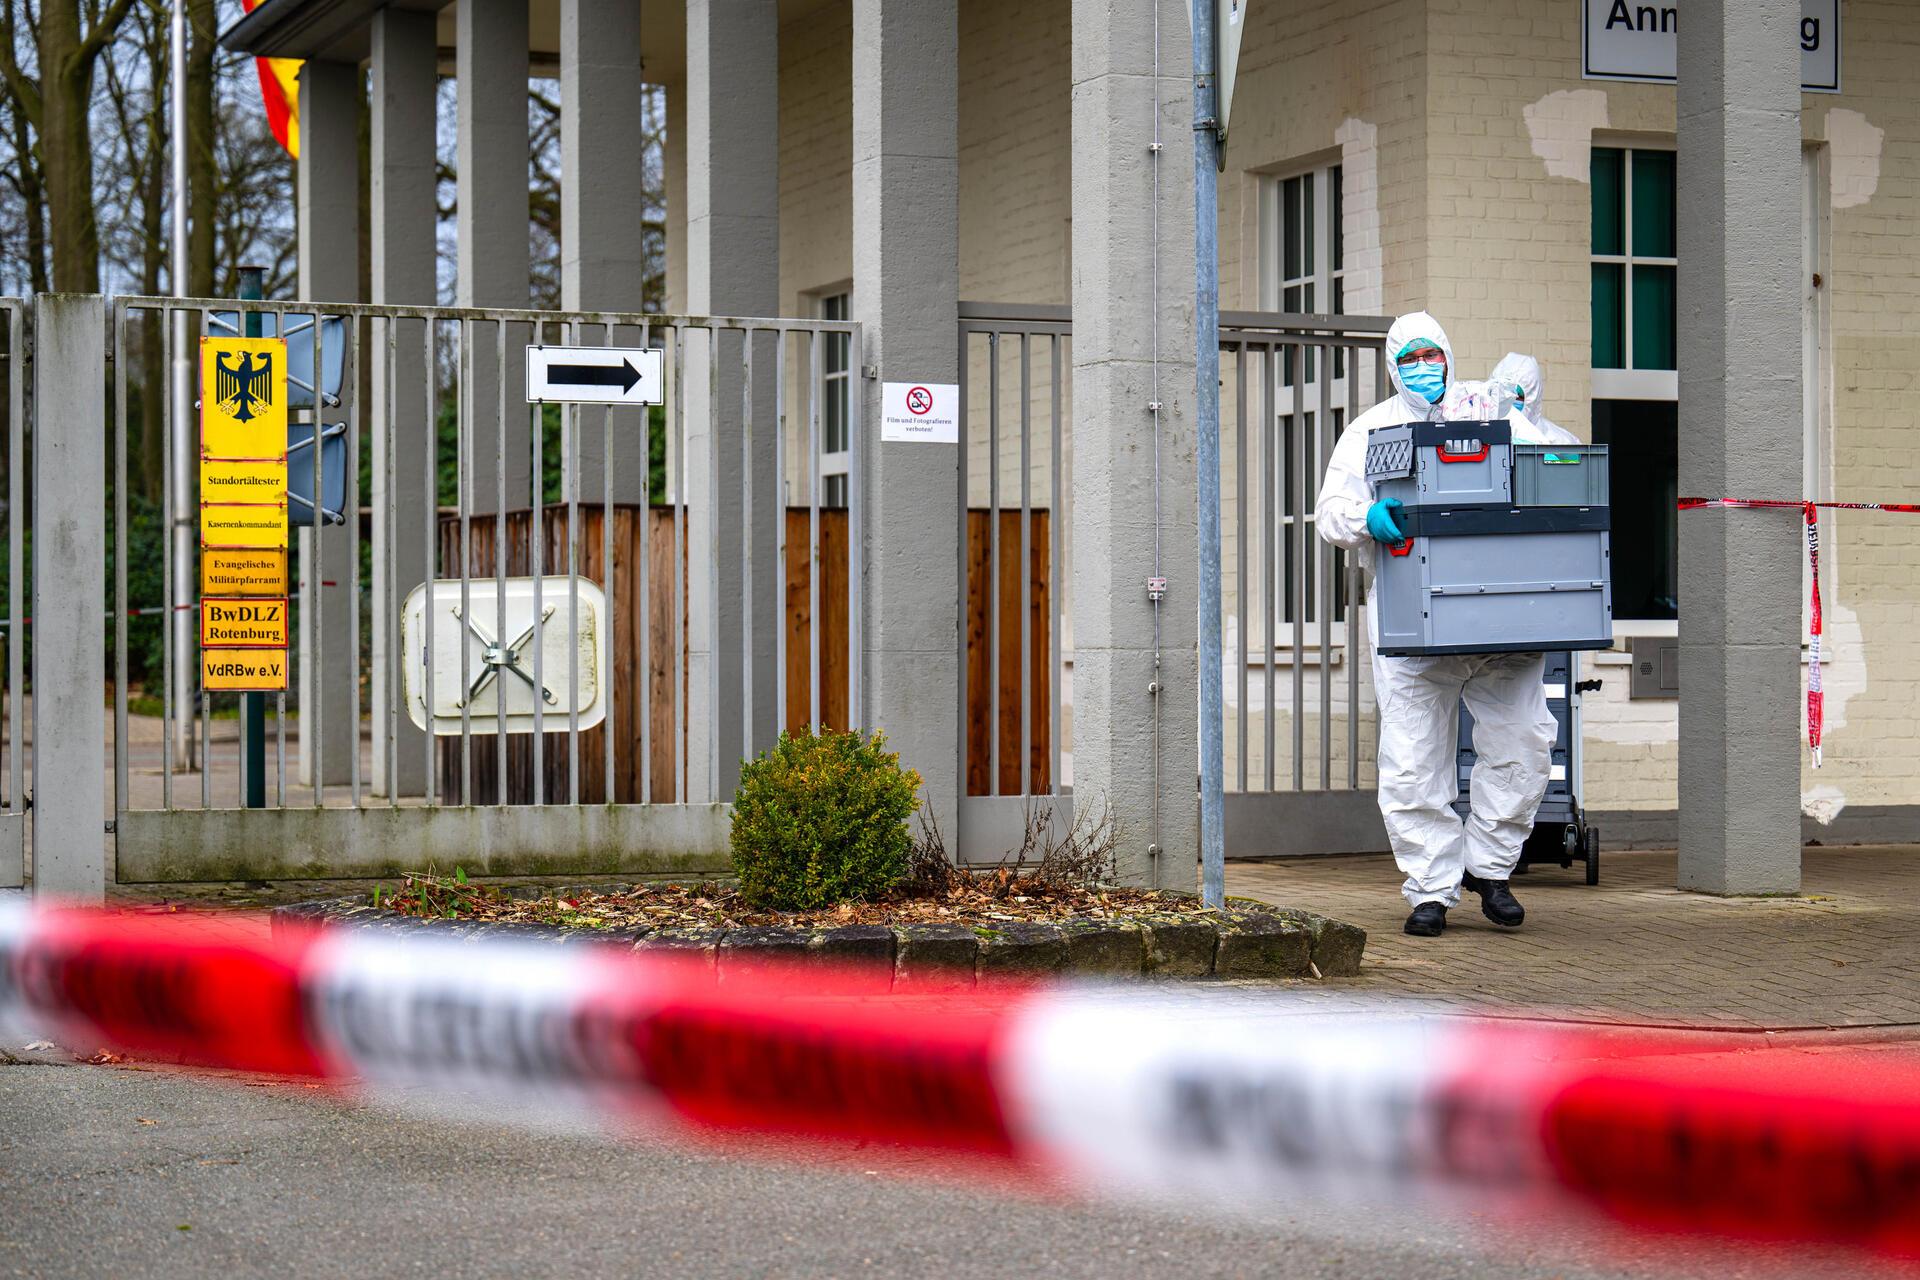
pixel 822 819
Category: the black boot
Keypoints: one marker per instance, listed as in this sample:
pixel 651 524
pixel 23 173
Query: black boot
pixel 1429 920
pixel 1497 902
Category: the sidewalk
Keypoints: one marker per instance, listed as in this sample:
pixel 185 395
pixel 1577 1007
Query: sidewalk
pixel 1846 953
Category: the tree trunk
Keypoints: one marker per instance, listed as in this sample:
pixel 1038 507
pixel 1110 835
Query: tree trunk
pixel 202 177
pixel 33 196
pixel 66 150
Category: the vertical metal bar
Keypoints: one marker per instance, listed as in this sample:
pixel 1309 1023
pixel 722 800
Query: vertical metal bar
pixel 537 555
pixel 389 515
pixel 644 579
pixel 538 567
pixel 677 640
pixel 206 751
pixel 856 527
pixel 748 693
pixel 1056 571
pixel 119 356
pixel 1296 503
pixel 315 718
pixel 993 563
pixel 1241 525
pixel 350 377
pixel 500 565
pixel 432 446
pixel 1269 530
pixel 17 560
pixel 777 575
pixel 570 467
pixel 280 697
pixel 604 679
pixel 1323 561
pixel 1354 604
pixel 964 568
pixel 815 389
pixel 463 500
pixel 1026 566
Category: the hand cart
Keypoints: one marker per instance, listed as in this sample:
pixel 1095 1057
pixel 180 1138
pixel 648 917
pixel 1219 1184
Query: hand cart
pixel 1561 833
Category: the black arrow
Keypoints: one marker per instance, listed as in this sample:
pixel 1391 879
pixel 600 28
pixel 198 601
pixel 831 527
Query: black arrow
pixel 594 375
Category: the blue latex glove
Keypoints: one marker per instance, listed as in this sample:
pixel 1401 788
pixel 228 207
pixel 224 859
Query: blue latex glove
pixel 1383 521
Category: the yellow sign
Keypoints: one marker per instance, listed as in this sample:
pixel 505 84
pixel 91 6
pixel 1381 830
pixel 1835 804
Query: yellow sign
pixel 235 571
pixel 228 480
pixel 243 670
pixel 232 525
pixel 243 398
pixel 234 624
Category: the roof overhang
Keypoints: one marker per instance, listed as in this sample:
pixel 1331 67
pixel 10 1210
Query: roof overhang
pixel 324 30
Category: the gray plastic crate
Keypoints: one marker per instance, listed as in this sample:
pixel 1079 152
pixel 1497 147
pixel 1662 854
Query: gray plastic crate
pixel 1483 573
pixel 1560 475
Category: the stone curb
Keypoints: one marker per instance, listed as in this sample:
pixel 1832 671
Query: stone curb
pixel 1240 942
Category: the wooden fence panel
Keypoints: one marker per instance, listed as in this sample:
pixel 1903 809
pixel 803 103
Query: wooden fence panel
pixel 985 713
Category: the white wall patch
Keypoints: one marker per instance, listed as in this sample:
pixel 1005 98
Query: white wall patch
pixel 1561 127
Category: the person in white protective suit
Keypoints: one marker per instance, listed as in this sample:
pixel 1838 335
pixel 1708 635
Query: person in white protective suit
pixel 1419 697
pixel 1517 378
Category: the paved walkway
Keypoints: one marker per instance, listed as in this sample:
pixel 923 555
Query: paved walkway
pixel 1845 953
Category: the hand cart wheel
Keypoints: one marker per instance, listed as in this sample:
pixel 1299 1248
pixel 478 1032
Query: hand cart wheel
pixel 1592 843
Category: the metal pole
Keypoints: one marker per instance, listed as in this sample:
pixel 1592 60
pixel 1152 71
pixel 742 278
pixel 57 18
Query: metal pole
pixel 1206 283
pixel 253 706
pixel 183 515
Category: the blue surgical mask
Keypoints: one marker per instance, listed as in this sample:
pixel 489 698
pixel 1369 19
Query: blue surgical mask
pixel 1428 381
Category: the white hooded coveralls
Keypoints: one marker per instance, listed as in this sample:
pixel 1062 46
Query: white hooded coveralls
pixel 1419 697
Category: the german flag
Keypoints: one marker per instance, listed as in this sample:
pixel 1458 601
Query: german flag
pixel 280 90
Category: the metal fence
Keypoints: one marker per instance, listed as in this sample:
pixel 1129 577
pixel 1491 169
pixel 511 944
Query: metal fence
pixel 13 806
pixel 646 552
pixel 1015 401
pixel 1297 758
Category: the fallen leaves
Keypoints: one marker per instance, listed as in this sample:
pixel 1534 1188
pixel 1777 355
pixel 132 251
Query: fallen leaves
pixel 1004 895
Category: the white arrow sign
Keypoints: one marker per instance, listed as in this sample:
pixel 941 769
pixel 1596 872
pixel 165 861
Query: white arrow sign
pixel 593 375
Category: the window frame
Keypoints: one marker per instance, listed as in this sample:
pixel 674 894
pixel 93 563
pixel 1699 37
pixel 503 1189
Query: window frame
pixel 1630 383
pixel 1295 403
pixel 835 303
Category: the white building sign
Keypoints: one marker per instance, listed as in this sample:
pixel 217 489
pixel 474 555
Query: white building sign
pixel 1623 40
pixel 920 412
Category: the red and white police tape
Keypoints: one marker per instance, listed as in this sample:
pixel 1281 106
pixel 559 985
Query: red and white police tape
pixel 1142 1092
pixel 1810 511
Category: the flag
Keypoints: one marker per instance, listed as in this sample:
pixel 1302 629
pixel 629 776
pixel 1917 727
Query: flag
pixel 280 90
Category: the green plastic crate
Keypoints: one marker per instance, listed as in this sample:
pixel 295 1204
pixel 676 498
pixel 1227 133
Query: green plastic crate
pixel 1560 475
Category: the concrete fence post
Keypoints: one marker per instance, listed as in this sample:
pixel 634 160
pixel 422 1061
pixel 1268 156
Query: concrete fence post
pixel 69 610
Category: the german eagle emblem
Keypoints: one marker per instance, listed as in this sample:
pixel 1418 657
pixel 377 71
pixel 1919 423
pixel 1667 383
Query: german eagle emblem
pixel 243 384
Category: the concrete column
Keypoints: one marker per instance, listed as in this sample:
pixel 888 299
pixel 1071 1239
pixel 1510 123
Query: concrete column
pixel 733 268
pixel 405 82
pixel 906 290
pixel 602 266
pixel 1739 322
pixel 492 255
pixel 69 616
pixel 1114 429
pixel 329 212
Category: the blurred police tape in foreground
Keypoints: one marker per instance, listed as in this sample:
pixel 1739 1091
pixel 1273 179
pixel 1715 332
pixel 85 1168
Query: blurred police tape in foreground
pixel 1143 1092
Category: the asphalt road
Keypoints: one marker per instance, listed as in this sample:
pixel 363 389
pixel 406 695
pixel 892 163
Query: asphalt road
pixel 132 1171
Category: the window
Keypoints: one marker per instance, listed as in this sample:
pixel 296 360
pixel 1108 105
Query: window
pixel 1308 270
pixel 1634 233
pixel 1304 270
pixel 837 407
pixel 1634 381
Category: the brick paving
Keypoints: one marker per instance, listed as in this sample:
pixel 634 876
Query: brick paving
pixel 1844 953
